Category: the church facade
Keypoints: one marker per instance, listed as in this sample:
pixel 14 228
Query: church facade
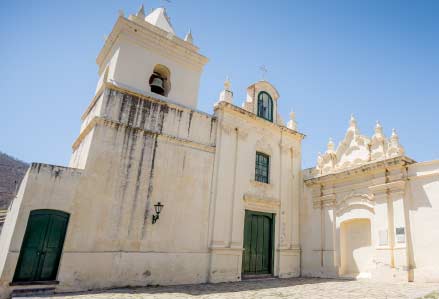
pixel 157 192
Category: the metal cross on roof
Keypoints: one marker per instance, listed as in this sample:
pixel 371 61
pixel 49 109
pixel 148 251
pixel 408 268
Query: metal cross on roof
pixel 264 71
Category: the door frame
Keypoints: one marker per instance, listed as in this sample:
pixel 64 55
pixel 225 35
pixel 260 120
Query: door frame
pixel 27 235
pixel 272 217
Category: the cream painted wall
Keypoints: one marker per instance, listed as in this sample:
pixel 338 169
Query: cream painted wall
pixel 135 64
pixel 423 198
pixel 240 135
pixel 135 47
pixel 134 151
pixel 138 151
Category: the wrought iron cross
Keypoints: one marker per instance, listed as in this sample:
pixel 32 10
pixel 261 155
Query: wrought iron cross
pixel 264 71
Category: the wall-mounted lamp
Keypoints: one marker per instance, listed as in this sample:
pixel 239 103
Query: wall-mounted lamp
pixel 158 208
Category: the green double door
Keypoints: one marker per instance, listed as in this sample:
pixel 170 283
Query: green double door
pixel 42 246
pixel 258 243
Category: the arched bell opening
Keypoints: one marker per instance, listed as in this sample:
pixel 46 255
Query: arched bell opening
pixel 160 80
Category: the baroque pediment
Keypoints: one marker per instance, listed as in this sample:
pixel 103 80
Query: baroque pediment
pixel 356 149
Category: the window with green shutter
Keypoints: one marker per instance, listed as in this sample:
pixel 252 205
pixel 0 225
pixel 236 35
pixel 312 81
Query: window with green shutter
pixel 262 167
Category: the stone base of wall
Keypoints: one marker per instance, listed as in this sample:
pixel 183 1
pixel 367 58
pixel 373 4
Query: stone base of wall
pixel 225 265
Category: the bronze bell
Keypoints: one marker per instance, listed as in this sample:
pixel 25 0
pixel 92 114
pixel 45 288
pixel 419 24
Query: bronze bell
pixel 157 86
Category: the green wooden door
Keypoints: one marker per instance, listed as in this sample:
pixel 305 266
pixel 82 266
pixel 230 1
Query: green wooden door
pixel 42 246
pixel 258 243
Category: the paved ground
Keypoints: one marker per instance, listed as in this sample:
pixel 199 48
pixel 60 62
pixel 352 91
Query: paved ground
pixel 308 288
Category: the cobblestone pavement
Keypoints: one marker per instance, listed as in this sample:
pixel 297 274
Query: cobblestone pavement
pixel 309 288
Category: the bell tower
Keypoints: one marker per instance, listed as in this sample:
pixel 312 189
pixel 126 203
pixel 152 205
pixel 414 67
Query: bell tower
pixel 143 54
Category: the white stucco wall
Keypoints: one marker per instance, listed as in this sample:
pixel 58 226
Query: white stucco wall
pixel 135 65
pixel 44 187
pixel 134 151
pixel 135 47
pixel 240 135
pixel 423 193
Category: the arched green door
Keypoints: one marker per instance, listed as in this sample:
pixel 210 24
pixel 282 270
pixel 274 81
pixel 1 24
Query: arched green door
pixel 42 246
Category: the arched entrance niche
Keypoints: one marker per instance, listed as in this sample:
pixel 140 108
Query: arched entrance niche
pixel 356 251
pixel 354 236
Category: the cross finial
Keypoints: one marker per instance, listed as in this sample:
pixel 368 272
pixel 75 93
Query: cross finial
pixel 264 71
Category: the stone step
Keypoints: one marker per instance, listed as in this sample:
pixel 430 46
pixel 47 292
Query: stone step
pixel 33 288
pixel 29 292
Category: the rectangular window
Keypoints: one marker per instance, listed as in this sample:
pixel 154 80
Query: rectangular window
pixel 400 235
pixel 262 167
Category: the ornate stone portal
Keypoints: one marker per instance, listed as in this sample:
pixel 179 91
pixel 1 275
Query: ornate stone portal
pixel 361 199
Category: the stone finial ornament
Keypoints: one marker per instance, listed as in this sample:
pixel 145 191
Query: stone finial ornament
pixel 141 12
pixel 394 137
pixel 226 94
pixel 356 149
pixel 292 124
pixel 379 135
pixel 353 127
pixel 352 121
pixel 227 84
pixel 189 38
pixel 378 128
pixel 395 149
pixel 378 144
pixel 330 149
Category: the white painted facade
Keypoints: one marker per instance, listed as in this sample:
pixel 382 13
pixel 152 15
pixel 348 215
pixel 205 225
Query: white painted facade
pixel 137 148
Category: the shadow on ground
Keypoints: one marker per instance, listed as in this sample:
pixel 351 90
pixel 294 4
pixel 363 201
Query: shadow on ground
pixel 211 288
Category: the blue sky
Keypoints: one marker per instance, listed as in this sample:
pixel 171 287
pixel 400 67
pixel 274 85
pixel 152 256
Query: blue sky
pixel 377 59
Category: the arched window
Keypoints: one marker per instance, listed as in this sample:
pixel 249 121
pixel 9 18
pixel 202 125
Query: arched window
pixel 265 106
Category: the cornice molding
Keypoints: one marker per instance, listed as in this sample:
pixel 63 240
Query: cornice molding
pixel 110 86
pixel 150 36
pixel 163 137
pixel 363 170
pixel 328 200
pixel 393 187
pixel 247 115
pixel 264 204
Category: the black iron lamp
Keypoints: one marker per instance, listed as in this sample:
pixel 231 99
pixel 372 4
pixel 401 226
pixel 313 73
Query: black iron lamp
pixel 158 208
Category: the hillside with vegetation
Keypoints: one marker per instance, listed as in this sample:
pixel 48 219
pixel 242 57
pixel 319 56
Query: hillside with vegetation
pixel 12 172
